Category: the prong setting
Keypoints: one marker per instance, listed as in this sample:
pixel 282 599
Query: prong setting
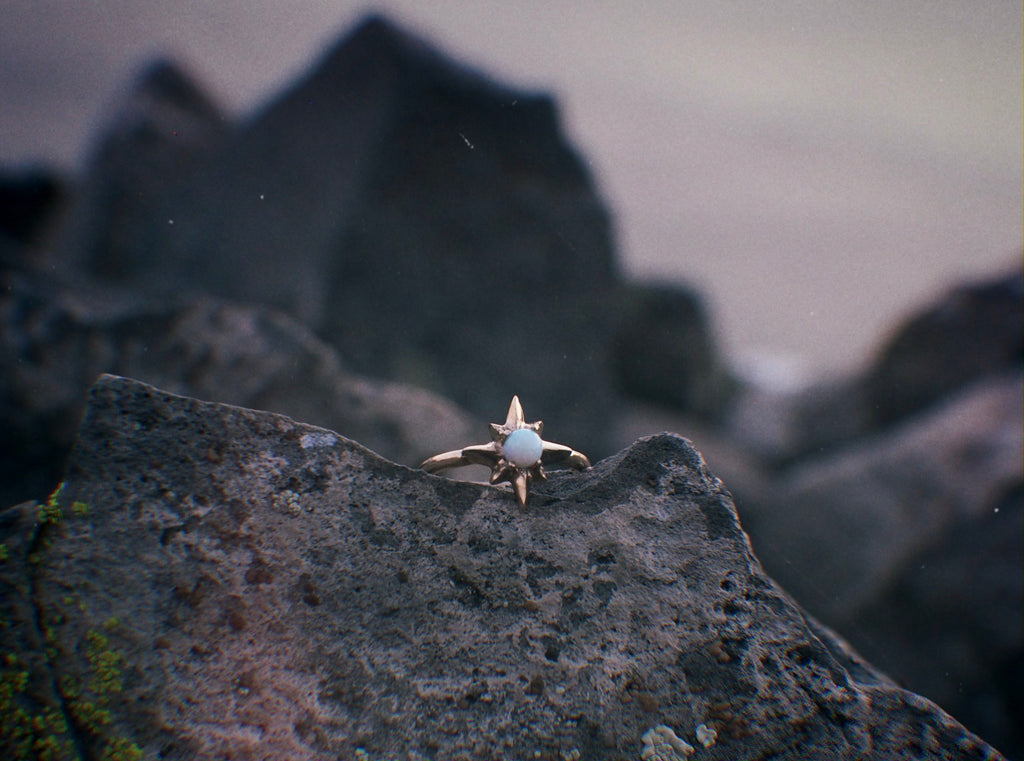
pixel 516 453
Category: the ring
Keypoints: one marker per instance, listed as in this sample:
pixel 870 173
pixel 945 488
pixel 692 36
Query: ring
pixel 516 453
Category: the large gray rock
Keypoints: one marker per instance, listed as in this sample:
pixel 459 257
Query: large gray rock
pixel 909 543
pixel 214 582
pixel 161 130
pixel 435 226
pixel 56 339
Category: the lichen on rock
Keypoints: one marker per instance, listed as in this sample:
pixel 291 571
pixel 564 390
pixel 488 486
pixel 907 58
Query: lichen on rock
pixel 661 743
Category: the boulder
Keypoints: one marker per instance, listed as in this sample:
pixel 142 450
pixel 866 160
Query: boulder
pixel 56 339
pixel 781 425
pixel 745 473
pixel 664 351
pixel 908 542
pixel 163 128
pixel 948 625
pixel 975 331
pixel 211 581
pixel 433 225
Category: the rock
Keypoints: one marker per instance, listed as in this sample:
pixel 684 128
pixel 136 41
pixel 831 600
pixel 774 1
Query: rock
pixel 894 541
pixel 664 352
pixel 29 198
pixel 217 582
pixel 949 623
pixel 55 340
pixel 435 226
pixel 781 426
pixel 972 333
pixel 977 330
pixel 162 130
pixel 745 474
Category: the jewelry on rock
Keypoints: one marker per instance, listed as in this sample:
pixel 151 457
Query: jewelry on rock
pixel 516 453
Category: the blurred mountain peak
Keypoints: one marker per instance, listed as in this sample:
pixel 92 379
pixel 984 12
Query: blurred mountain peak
pixel 163 95
pixel 167 80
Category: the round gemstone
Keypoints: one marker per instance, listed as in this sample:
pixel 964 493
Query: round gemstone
pixel 523 448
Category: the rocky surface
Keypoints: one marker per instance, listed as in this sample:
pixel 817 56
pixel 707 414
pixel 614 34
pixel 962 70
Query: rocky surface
pixel 889 496
pixel 212 581
pixel 56 339
pixel 949 622
pixel 903 534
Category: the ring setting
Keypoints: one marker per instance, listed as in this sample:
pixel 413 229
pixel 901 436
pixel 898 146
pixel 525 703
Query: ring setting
pixel 515 454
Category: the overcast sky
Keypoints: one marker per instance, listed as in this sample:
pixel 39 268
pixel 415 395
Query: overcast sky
pixel 816 168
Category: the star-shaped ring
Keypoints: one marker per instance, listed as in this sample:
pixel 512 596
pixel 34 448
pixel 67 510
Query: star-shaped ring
pixel 516 453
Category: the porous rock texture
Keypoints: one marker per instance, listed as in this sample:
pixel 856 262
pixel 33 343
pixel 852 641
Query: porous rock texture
pixel 265 589
pixel 889 502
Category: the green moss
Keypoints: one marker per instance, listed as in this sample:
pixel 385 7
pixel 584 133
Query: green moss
pixel 91 707
pixel 3 552
pixel 26 731
pixel 104 665
pixel 50 511
pixel 122 750
pixel 50 514
pixel 29 730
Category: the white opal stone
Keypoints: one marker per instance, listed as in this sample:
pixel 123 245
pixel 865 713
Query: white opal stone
pixel 523 448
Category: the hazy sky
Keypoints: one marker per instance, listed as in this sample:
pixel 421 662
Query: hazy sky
pixel 817 168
